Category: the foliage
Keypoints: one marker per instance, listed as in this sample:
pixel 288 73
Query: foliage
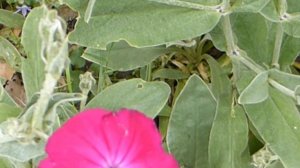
pixel 219 76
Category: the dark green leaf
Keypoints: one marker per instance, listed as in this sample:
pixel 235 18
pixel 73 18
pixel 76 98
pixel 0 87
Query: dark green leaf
pixel 169 74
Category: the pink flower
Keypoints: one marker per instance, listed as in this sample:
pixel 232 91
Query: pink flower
pixel 98 138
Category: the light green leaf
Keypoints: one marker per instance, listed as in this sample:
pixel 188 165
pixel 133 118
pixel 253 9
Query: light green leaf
pixel 252 34
pixel 228 145
pixel 7 111
pixel 147 97
pixel 286 79
pixel 256 91
pixel 292 26
pixel 122 57
pixel 274 118
pixel 11 19
pixel 289 51
pixel 169 74
pixel 217 36
pixel 10 54
pixel 140 23
pixel 256 36
pixel 278 125
pixel 270 12
pixel 33 66
pixel 191 121
pixel 248 5
pixel 21 152
pixel 293 6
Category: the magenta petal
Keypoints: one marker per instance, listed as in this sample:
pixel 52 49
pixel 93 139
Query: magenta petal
pixel 97 138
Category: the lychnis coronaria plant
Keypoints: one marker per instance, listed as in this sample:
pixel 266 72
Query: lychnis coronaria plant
pixel 98 138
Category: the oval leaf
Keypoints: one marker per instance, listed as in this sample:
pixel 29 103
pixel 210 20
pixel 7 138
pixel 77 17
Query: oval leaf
pixel 256 91
pixel 33 66
pixel 122 57
pixel 191 121
pixel 228 144
pixel 140 23
pixel 10 54
pixel 147 97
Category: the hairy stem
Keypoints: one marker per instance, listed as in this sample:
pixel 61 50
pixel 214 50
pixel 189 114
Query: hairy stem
pixel 229 36
pixel 277 46
pixel 282 88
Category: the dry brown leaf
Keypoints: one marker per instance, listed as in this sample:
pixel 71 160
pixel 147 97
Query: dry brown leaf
pixel 15 89
pixel 6 71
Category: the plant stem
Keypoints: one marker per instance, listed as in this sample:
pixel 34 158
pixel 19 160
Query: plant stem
pixel 43 101
pixel 232 49
pixel 186 4
pixel 148 72
pixel 282 7
pixel 89 10
pixel 101 79
pixel 277 46
pixel 249 64
pixel 228 36
pixel 83 101
pixel 69 82
pixel 282 88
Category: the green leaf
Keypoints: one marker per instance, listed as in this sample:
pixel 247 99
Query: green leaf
pixel 292 26
pixel 256 36
pixel 147 97
pixel 122 57
pixel 169 74
pixel 256 91
pixel 278 124
pixel 140 23
pixel 33 66
pixel 21 152
pixel 248 5
pixel 289 51
pixel 270 12
pixel 252 34
pixel 293 6
pixel 10 54
pixel 286 79
pixel 228 144
pixel 4 163
pixel 217 36
pixel 276 164
pixel 276 120
pixel 11 19
pixel 191 121
pixel 7 111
